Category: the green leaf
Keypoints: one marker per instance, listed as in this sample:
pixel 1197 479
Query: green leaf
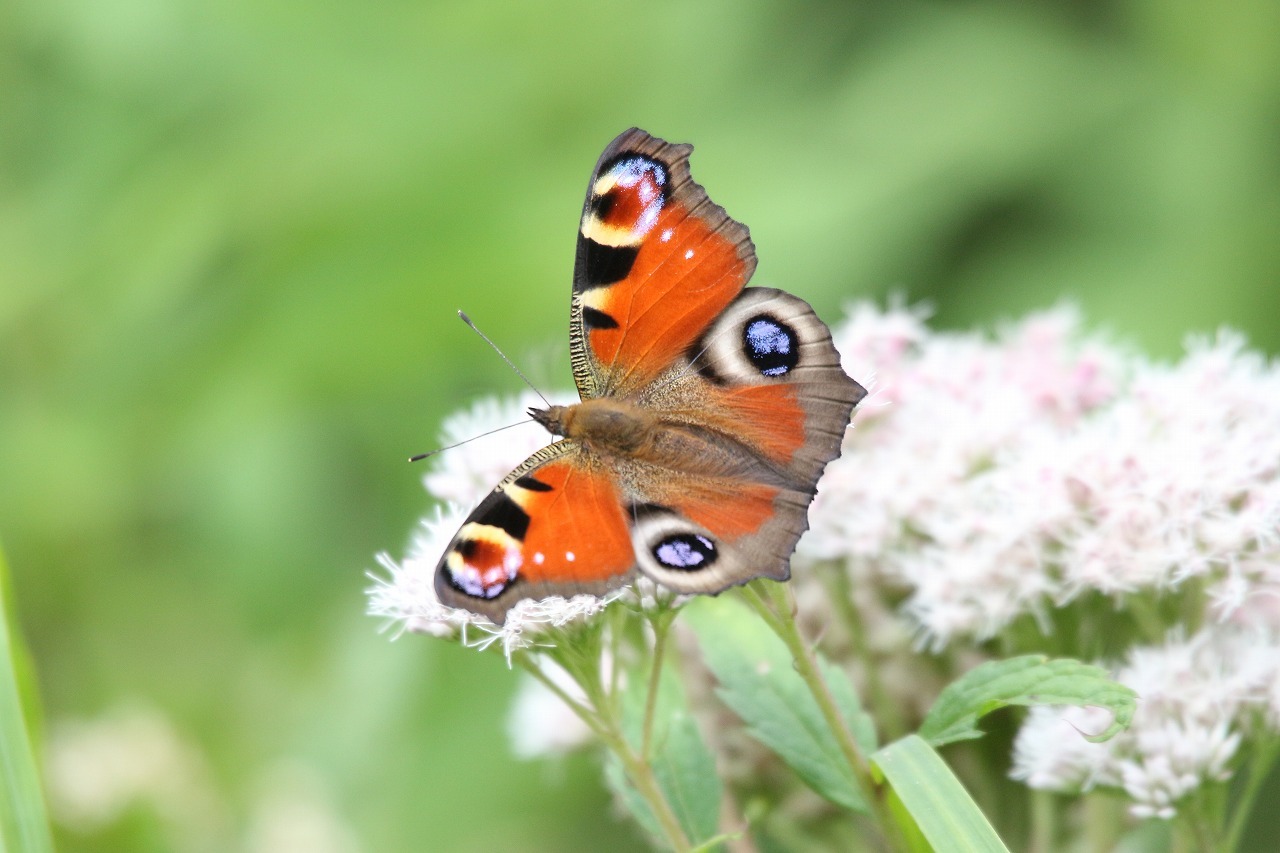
pixel 1026 680
pixel 23 823
pixel 682 763
pixel 940 806
pixel 759 682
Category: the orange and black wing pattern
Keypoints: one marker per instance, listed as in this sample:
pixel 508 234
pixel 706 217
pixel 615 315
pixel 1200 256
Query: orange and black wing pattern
pixel 657 261
pixel 555 526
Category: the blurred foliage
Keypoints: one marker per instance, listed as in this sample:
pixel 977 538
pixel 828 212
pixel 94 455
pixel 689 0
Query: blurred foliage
pixel 233 235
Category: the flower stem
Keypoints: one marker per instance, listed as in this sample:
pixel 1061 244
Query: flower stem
pixel 1100 821
pixel 600 714
pixel 661 630
pixel 1043 822
pixel 781 619
pixel 589 717
pixel 1198 822
pixel 842 598
pixel 641 775
pixel 1259 768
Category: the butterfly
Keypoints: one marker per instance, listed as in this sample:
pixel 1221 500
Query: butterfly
pixel 708 410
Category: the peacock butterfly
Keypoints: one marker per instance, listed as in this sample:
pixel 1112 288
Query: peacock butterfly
pixel 709 409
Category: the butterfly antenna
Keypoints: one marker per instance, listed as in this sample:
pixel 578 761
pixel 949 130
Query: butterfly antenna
pixel 503 355
pixel 430 453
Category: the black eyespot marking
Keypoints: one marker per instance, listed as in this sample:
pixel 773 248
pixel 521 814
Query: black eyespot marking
pixel 530 483
pixel 606 264
pixel 689 551
pixel 639 511
pixel 595 319
pixel 499 510
pixel 602 205
pixel 770 346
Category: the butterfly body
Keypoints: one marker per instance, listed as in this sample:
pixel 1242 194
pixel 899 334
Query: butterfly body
pixel 708 410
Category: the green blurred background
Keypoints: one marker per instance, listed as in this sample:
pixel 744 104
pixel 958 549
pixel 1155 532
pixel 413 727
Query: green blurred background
pixel 233 237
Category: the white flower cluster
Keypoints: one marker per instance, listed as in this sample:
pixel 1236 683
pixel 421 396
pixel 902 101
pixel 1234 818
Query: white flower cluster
pixel 1197 699
pixel 993 478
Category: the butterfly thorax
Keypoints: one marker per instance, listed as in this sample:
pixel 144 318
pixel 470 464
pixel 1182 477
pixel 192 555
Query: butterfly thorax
pixel 612 427
pixel 604 423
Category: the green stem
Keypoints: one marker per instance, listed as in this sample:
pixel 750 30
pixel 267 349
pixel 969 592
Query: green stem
pixel 1199 824
pixel 590 718
pixel 661 629
pixel 884 710
pixel 1259 768
pixel 1043 822
pixel 781 619
pixel 1102 817
pixel 602 718
pixel 642 777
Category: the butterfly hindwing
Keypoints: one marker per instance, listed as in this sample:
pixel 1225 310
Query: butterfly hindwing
pixel 764 385
pixel 775 375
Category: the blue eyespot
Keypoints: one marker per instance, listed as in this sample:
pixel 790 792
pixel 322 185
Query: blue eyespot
pixel 628 172
pixel 770 346
pixel 685 551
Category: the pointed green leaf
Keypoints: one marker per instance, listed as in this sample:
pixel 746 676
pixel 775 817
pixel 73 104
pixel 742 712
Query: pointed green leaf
pixel 759 682
pixel 23 823
pixel 1026 680
pixel 940 806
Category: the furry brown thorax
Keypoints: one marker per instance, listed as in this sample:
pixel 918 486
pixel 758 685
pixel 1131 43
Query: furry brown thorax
pixel 602 423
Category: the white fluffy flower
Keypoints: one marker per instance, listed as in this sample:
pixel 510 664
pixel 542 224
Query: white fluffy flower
pixel 1196 699
pixel 996 478
pixel 1051 752
pixel 407 597
pixel 993 478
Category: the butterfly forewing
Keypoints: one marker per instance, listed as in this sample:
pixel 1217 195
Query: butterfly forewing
pixel 554 526
pixel 656 260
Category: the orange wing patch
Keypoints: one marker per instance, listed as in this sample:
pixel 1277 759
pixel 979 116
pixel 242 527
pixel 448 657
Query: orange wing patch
pixel 766 417
pixel 750 507
pixel 578 532
pixel 683 273
pixel 560 527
